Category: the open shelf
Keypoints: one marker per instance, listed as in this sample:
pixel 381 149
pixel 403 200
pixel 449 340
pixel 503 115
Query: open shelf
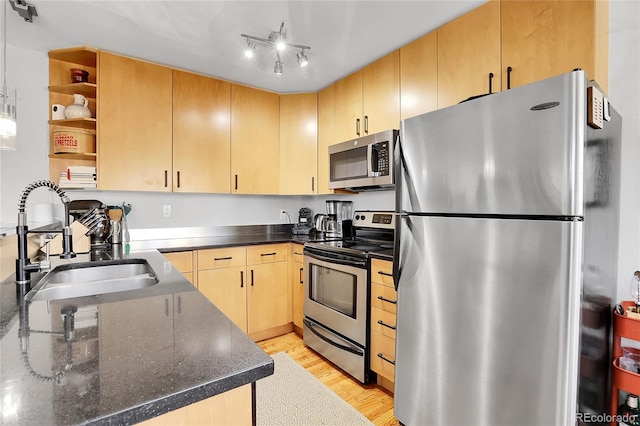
pixel 71 156
pixel 80 123
pixel 88 90
pixel 82 55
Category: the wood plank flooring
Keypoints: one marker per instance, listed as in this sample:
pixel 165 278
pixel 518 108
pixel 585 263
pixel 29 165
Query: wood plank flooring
pixel 373 401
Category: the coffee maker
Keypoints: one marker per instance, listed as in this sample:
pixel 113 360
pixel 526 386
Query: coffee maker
pixel 339 223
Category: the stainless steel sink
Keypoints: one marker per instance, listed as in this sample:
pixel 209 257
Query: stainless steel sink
pixel 93 278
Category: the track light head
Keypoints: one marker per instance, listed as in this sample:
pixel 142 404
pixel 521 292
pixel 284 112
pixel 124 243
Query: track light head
pixel 303 60
pixel 278 68
pixel 250 49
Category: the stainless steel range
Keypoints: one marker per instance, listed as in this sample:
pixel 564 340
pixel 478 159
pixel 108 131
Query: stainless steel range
pixel 336 306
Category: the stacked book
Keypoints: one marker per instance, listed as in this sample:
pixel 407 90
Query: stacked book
pixel 78 177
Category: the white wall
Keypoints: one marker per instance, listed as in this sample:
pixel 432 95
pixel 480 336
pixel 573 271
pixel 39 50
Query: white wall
pixel 624 94
pixel 28 72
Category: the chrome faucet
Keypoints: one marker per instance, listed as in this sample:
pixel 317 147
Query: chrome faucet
pixel 24 267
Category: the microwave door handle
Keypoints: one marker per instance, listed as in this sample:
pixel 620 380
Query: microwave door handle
pixel 370 160
pixel 375 160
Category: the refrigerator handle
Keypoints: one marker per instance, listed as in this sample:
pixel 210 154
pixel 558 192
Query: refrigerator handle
pixel 396 249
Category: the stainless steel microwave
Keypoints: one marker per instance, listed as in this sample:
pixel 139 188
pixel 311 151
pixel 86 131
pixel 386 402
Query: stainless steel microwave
pixel 363 164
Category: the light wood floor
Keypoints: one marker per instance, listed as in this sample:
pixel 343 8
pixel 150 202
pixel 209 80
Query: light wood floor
pixel 373 401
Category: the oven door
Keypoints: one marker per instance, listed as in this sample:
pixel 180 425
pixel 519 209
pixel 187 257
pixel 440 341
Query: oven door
pixel 336 293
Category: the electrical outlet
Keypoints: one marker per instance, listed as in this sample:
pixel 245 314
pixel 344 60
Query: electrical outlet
pixel 166 210
pixel 283 214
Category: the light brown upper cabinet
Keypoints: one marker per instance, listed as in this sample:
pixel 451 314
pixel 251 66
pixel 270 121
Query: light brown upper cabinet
pixel 298 143
pixel 468 54
pixel 347 95
pixel 201 134
pixel 541 39
pixel 326 136
pixel 134 124
pixel 368 101
pixel 381 94
pixel 419 76
pixel 255 140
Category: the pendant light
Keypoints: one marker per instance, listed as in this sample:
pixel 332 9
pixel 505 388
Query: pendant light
pixel 8 96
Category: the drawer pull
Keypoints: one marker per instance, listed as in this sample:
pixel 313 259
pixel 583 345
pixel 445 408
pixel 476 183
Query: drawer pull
pixel 299 254
pixel 268 254
pixel 393 327
pixel 301 282
pixel 387 300
pixel 386 359
pixel 223 258
pixel 385 274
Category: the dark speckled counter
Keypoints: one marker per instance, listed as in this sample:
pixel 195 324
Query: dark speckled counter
pixel 133 356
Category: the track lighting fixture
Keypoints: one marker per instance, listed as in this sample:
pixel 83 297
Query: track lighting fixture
pixel 277 39
pixel 278 67
pixel 303 61
pixel 250 50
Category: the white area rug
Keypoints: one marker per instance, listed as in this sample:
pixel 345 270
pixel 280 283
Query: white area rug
pixel 293 396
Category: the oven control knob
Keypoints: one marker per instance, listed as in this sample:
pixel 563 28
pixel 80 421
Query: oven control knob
pixel 357 217
pixel 362 217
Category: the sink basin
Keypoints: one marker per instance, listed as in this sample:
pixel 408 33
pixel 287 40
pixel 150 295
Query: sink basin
pixel 93 278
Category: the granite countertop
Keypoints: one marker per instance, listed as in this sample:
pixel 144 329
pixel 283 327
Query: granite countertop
pixel 134 355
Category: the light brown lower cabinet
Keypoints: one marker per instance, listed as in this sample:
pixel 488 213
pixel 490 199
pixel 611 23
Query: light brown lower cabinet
pixel 183 262
pixel 383 322
pixel 297 284
pixel 250 286
pixel 233 407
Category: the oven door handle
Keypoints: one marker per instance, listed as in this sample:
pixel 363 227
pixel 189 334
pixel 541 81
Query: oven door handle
pixel 360 263
pixel 352 349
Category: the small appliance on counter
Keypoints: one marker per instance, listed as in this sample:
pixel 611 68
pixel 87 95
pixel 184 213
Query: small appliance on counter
pixel 304 225
pixel 339 223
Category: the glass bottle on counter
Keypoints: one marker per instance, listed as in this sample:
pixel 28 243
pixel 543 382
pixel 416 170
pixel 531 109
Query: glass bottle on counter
pixel 628 413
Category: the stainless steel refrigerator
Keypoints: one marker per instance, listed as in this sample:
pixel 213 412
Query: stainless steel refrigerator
pixel 506 263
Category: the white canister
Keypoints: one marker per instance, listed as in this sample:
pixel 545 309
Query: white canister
pixel 57 112
pixel 43 214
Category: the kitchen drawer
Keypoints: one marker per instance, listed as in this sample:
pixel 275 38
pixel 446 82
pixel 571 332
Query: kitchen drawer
pixel 382 297
pixel 382 272
pixel 383 346
pixel 298 256
pixel 221 258
pixel 383 322
pixel 266 254
pixel 181 260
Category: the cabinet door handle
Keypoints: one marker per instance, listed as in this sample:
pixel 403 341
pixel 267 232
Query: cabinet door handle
pixel 313 186
pixel 223 258
pixel 387 300
pixel 393 327
pixel 178 178
pixel 179 305
pixel 252 278
pixel 166 178
pixel 241 279
pixel 166 307
pixel 301 282
pixel 268 254
pixel 366 124
pixel 386 359
pixel 386 274
pixel 358 126
pixel 509 69
pixel 490 83
pixel 299 254
pixel 236 178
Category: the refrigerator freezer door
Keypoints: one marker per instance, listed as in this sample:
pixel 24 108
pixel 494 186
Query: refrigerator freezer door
pixel 488 321
pixel 515 152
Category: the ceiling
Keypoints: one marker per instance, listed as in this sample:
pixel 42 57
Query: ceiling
pixel 204 36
